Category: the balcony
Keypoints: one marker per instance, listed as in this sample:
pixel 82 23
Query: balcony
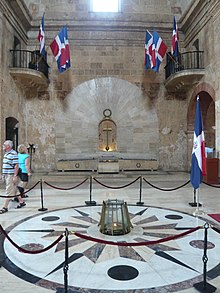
pixel 29 70
pixel 185 71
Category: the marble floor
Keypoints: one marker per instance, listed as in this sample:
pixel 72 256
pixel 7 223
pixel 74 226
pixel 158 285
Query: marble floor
pixel 158 208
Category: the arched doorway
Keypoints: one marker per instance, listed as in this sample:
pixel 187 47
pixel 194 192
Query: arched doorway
pixel 207 105
pixel 107 133
pixel 11 130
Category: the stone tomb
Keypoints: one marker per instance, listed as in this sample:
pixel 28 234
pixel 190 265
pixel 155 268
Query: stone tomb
pixel 107 163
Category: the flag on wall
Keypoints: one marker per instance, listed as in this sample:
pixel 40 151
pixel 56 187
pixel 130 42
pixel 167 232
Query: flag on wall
pixel 175 39
pixel 148 50
pixel 159 49
pixel 60 50
pixel 41 38
pixel 198 168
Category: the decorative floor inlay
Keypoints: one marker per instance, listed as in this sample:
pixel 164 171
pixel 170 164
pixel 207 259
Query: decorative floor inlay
pixel 123 273
pixel 167 267
pixel 50 219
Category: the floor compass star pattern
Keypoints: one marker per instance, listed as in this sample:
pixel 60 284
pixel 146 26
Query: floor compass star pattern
pixel 96 266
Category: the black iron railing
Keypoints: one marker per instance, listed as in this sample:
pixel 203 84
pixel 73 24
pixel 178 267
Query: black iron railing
pixel 29 59
pixel 185 61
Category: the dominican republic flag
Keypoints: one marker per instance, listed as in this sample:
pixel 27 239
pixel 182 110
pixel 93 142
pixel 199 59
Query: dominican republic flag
pixel 159 50
pixel 148 50
pixel 198 168
pixel 41 38
pixel 60 50
pixel 175 39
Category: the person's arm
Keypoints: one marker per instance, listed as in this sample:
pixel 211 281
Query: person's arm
pixel 15 172
pixel 27 165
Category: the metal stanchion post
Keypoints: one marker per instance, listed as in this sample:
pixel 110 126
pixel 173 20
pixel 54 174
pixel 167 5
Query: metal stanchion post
pixel 90 202
pixel 66 266
pixel 139 203
pixel 42 198
pixel 203 286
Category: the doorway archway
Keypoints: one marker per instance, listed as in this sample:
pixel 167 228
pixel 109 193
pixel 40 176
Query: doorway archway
pixel 107 133
pixel 207 105
pixel 11 130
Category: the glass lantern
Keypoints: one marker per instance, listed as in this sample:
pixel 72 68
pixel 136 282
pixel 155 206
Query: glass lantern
pixel 115 218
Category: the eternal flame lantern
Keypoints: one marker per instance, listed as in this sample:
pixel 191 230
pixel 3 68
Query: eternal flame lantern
pixel 115 218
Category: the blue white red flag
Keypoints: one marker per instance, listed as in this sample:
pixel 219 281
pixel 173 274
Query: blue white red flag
pixel 198 168
pixel 41 38
pixel 148 50
pixel 60 50
pixel 175 39
pixel 159 50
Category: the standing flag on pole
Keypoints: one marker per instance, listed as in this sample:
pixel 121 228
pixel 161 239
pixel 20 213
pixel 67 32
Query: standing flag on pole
pixel 148 50
pixel 60 50
pixel 198 168
pixel 175 39
pixel 159 49
pixel 41 38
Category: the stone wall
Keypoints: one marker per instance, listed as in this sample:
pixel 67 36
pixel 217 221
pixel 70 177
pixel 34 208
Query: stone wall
pixel 107 71
pixel 11 97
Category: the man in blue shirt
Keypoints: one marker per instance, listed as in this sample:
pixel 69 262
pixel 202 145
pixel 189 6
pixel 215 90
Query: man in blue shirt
pixel 9 172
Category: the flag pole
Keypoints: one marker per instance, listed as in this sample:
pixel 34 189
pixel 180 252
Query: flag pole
pixel 197 207
pixel 173 59
pixel 174 56
pixel 198 168
pixel 197 211
pixel 194 203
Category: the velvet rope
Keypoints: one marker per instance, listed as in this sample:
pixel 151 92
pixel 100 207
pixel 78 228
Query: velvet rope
pixel 68 188
pixel 30 251
pixel 144 243
pixel 5 196
pixel 211 185
pixel 114 187
pixel 167 189
pixel 215 229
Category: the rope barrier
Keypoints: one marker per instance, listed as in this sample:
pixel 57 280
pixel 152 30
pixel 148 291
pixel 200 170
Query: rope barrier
pixel 68 188
pixel 5 196
pixel 211 185
pixel 89 238
pixel 114 187
pixel 143 243
pixel 30 251
pixel 83 236
pixel 168 189
pixel 31 188
pixel 107 186
pixel 215 229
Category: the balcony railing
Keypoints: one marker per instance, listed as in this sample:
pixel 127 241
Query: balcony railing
pixel 185 61
pixel 29 59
